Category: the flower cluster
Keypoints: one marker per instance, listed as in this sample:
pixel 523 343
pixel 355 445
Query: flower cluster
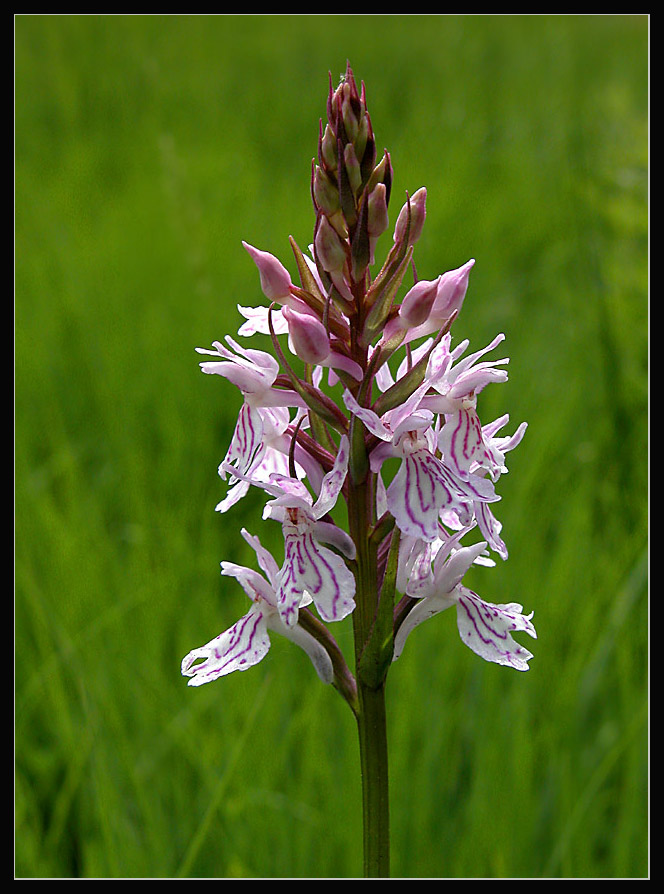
pixel 365 402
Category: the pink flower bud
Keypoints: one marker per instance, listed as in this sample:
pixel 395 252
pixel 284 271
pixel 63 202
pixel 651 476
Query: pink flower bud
pixel 326 193
pixel 352 168
pixel 452 288
pixel 275 279
pixel 329 250
pixel 416 306
pixel 378 220
pixel 417 215
pixel 309 337
pixel 328 148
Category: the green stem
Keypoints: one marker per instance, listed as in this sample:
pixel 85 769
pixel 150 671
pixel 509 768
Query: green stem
pixel 372 731
pixel 370 671
pixel 371 719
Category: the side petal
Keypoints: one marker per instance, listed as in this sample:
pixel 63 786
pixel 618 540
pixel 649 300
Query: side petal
pixel 491 528
pixel 246 444
pixel 238 648
pixel 333 481
pixel 487 629
pixel 370 419
pixel 265 558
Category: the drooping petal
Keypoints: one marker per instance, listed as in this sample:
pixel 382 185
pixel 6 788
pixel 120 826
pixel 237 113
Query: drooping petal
pixel 240 647
pixel 234 494
pixel 370 419
pixel 487 629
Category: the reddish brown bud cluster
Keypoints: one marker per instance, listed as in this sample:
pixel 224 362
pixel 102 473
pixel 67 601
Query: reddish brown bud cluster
pixel 350 192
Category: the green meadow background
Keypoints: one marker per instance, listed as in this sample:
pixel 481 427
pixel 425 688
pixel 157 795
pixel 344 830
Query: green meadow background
pixel 146 149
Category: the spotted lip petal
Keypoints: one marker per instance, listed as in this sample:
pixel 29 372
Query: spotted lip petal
pixel 424 487
pixel 312 569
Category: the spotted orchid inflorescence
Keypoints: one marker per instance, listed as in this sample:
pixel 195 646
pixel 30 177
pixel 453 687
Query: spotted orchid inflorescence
pixel 365 401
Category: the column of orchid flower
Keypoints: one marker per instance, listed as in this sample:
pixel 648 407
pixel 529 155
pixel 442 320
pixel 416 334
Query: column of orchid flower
pixel 312 435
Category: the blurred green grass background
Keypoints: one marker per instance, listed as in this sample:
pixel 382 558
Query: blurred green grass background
pixel 146 149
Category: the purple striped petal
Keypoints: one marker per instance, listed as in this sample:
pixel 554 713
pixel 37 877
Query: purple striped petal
pixel 487 629
pixel 460 441
pixel 312 570
pixel 240 647
pixel 246 444
pixel 424 487
pixel 490 528
pixel 333 481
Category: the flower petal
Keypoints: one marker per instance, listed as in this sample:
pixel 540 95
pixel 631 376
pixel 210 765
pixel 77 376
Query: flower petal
pixel 422 611
pixel 333 481
pixel 424 487
pixel 312 570
pixel 460 441
pixel 302 638
pixel 238 648
pixel 487 629
pixel 246 444
pixel 490 528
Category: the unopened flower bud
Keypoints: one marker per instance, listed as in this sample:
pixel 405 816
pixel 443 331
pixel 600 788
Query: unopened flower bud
pixel 326 193
pixel 382 173
pixel 328 148
pixel 416 306
pixel 360 141
pixel 275 279
pixel 417 204
pixel 329 250
pixel 351 123
pixel 352 168
pixel 378 219
pixel 308 336
pixel 452 287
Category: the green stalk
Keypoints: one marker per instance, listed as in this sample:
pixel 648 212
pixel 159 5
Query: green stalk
pixel 372 731
pixel 371 717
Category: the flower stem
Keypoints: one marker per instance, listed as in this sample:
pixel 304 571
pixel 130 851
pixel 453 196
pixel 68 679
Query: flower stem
pixel 372 731
pixel 371 718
